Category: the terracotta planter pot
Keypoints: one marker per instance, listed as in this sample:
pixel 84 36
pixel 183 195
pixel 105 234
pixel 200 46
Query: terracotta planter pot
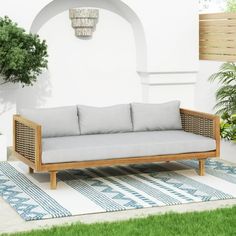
pixel 228 151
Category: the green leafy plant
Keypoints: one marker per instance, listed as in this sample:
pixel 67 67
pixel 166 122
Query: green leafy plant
pixel 228 127
pixel 23 55
pixel 231 6
pixel 226 99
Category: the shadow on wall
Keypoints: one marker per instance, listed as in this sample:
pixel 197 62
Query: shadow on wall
pixel 14 96
pixel 116 6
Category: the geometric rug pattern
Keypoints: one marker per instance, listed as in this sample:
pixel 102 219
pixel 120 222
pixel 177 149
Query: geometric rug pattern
pixel 117 188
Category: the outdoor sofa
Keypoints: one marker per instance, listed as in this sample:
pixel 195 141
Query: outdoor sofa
pixel 54 139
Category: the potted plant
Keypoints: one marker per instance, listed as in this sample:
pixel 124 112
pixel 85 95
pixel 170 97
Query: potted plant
pixel 226 108
pixel 23 55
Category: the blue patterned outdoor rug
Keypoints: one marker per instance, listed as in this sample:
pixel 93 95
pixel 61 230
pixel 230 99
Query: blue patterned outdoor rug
pixel 106 189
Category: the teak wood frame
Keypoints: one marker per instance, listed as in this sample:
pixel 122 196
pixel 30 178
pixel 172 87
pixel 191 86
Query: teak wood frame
pixel 27 145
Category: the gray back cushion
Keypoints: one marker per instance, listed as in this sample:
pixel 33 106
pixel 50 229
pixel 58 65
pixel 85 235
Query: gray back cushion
pixel 55 122
pixel 150 117
pixel 102 120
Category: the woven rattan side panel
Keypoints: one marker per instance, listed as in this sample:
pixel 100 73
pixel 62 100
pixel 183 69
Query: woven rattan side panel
pixel 197 125
pixel 25 141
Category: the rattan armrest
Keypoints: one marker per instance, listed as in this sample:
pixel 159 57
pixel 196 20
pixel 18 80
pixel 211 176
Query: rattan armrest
pixel 27 140
pixel 200 123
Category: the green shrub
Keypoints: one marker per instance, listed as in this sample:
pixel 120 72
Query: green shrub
pixel 231 6
pixel 226 99
pixel 22 55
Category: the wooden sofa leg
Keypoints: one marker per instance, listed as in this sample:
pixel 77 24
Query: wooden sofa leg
pixel 31 170
pixel 202 167
pixel 53 179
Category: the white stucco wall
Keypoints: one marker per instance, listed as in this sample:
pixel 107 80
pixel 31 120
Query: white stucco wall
pixel 100 71
pixel 103 70
pixel 171 29
pixel 205 90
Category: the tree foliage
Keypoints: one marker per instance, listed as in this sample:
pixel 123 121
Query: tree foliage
pixel 23 55
pixel 226 99
pixel 231 6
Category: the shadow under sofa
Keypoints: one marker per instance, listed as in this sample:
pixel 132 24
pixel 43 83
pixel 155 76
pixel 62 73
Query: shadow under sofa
pixel 54 139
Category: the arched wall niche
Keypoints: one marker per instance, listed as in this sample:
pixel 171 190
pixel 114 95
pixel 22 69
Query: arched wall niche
pixel 57 6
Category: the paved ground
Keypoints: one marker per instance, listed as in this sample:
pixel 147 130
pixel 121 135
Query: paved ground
pixel 10 221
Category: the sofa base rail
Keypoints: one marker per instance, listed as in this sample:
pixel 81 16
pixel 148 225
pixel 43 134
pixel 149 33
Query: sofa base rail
pixel 55 167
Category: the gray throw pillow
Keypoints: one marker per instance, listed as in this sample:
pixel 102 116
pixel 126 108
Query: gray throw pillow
pixel 55 122
pixel 102 120
pixel 151 117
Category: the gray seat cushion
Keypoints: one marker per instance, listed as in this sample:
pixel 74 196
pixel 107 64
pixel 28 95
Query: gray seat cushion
pixel 133 144
pixel 55 122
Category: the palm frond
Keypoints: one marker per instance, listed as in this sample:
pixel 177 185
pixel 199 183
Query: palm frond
pixel 226 91
pixel 226 74
pixel 226 99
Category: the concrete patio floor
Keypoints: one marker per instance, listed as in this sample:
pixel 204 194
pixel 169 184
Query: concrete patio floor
pixel 12 222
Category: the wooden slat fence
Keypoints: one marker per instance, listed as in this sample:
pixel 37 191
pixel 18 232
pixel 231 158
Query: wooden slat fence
pixel 217 35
